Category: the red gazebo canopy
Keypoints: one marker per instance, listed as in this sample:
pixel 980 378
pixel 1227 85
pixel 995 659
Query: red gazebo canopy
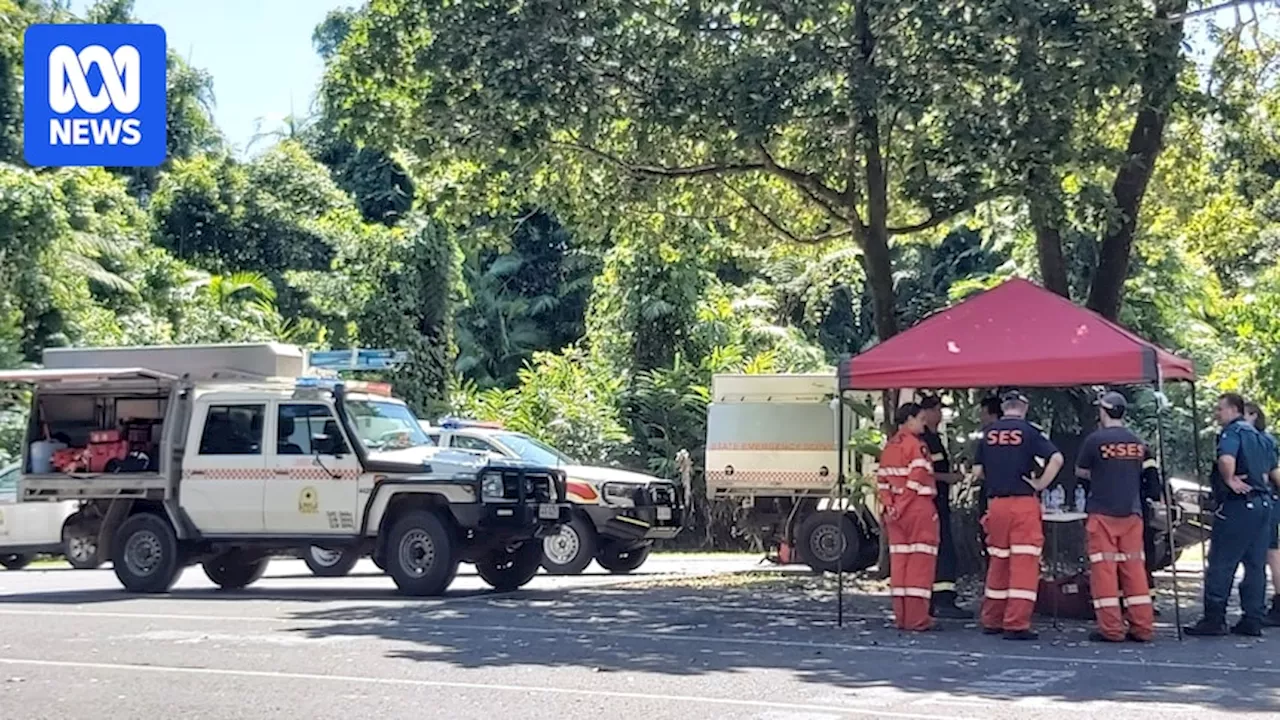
pixel 1016 334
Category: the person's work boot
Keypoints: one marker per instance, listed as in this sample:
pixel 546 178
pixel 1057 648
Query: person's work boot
pixel 1097 636
pixel 992 631
pixel 1272 618
pixel 1207 627
pixel 1248 628
pixel 1134 638
pixel 1021 635
pixel 949 611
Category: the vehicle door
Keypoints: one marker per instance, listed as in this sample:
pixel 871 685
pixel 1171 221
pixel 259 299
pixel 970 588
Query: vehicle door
pixel 223 479
pixel 314 485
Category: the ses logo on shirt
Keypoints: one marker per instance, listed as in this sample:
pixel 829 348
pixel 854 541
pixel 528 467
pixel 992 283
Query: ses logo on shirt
pixel 94 95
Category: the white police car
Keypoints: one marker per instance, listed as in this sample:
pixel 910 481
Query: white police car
pixel 617 513
pixel 31 528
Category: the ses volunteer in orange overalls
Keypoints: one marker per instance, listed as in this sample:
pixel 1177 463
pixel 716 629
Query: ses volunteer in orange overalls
pixel 1118 466
pixel 906 484
pixel 1005 462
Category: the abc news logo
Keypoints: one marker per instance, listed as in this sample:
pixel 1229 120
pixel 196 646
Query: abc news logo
pixel 69 89
pixel 95 95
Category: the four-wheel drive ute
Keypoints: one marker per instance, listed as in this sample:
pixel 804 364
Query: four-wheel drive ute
pixel 242 459
pixel 617 514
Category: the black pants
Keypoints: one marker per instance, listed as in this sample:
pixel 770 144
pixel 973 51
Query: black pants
pixel 944 580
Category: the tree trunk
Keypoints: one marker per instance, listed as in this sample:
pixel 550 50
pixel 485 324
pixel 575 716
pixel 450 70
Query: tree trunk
pixel 1046 218
pixel 1146 139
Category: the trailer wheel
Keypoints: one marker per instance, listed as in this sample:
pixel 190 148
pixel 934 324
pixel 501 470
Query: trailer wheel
pixel 572 548
pixel 15 562
pixel 235 569
pixel 146 556
pixel 621 560
pixel 828 541
pixel 330 563
pixel 511 570
pixel 420 554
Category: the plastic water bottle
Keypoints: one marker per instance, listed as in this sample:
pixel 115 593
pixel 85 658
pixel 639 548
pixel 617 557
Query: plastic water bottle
pixel 1080 498
pixel 1056 497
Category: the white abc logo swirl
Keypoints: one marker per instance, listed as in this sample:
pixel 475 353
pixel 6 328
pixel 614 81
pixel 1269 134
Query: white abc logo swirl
pixel 121 79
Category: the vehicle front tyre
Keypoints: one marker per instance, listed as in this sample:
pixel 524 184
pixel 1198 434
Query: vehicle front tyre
pixel 511 570
pixel 80 547
pixel 146 556
pixel 619 560
pixel 829 540
pixel 420 554
pixel 235 569
pixel 15 562
pixel 330 563
pixel 572 548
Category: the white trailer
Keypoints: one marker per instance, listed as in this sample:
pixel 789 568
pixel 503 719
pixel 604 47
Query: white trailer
pixel 773 445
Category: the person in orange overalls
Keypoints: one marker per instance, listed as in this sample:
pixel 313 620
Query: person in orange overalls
pixel 907 489
pixel 1005 462
pixel 1117 465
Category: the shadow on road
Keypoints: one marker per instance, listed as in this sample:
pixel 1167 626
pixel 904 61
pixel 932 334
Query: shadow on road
pixel 690 631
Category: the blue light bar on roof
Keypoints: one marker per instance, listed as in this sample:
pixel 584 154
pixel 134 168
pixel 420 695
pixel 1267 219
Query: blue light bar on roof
pixel 452 423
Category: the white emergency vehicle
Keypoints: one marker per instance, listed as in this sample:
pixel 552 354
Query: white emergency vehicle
pixel 617 514
pixel 232 455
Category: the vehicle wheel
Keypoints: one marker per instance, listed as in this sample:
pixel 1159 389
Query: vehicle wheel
pixel 330 563
pixel 80 547
pixel 819 541
pixel 15 562
pixel 869 544
pixel 235 569
pixel 507 571
pixel 380 561
pixel 619 561
pixel 146 555
pixel 572 549
pixel 420 554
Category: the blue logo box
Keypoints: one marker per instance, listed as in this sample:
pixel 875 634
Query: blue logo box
pixel 94 95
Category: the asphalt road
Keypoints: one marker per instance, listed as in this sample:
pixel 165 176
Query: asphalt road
pixel 74 646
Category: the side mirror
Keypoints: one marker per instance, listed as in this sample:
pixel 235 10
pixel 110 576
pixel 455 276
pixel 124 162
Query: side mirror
pixel 324 441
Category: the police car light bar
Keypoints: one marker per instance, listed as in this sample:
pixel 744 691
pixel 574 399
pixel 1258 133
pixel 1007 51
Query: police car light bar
pixel 325 383
pixel 451 423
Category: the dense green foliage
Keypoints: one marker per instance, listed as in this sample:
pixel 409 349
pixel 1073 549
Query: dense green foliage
pixel 574 218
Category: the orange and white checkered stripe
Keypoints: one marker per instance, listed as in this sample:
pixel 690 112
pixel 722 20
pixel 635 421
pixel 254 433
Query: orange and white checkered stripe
pixel 301 473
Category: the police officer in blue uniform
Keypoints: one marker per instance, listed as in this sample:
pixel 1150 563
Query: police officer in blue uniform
pixel 943 602
pixel 1241 481
pixel 1258 419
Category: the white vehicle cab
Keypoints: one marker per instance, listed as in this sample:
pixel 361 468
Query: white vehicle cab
pixel 617 513
pixel 27 529
pixel 229 457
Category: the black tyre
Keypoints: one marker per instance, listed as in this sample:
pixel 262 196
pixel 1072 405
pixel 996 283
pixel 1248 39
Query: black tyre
pixel 869 546
pixel 80 544
pixel 507 571
pixel 572 549
pixel 15 562
pixel 235 569
pixel 421 555
pixel 330 563
pixel 380 561
pixel 619 560
pixel 146 556
pixel 828 540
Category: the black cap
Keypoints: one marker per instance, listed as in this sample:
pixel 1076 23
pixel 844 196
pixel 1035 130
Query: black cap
pixel 1014 396
pixel 930 402
pixel 1112 401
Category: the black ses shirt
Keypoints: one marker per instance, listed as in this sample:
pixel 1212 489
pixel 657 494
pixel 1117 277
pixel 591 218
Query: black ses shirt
pixel 1007 452
pixel 1116 460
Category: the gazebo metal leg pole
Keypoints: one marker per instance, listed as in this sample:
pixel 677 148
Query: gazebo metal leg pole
pixel 844 541
pixel 1195 455
pixel 1168 516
